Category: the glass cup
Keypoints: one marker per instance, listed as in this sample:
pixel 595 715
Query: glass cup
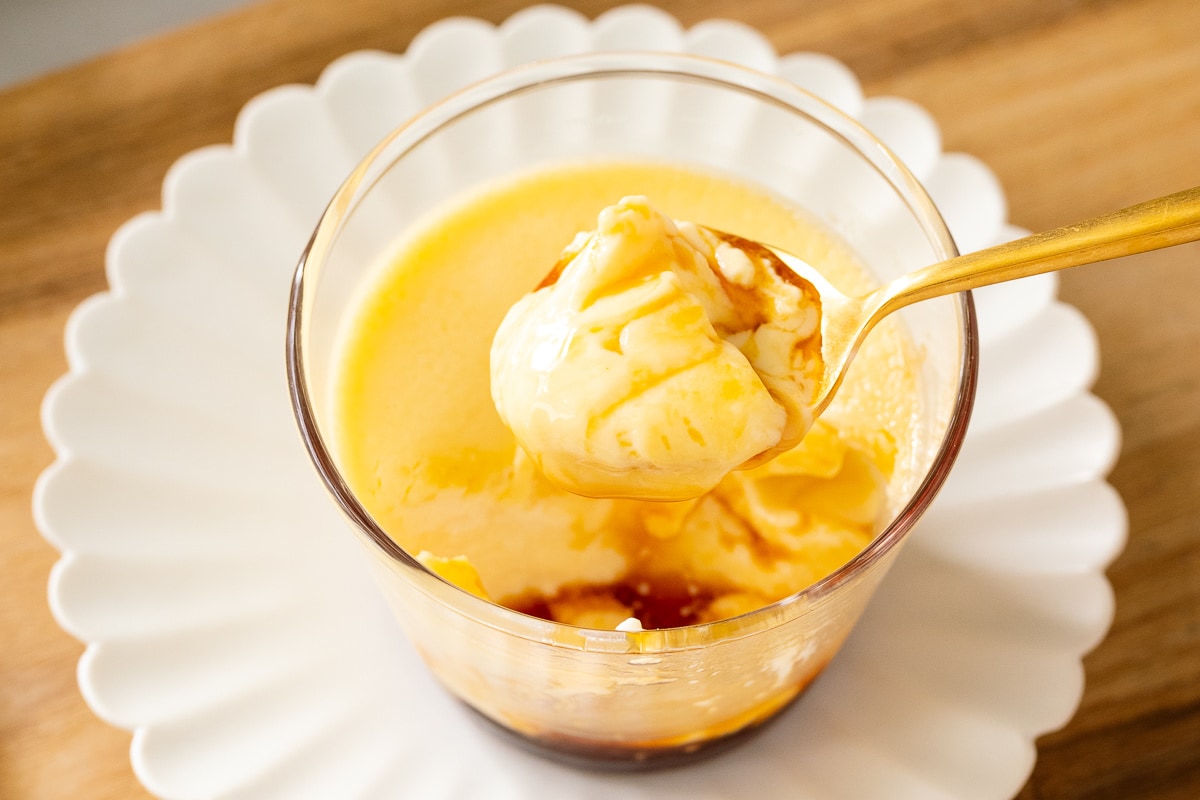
pixel 604 697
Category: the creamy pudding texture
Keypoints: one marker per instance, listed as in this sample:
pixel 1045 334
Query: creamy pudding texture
pixel 421 443
pixel 657 357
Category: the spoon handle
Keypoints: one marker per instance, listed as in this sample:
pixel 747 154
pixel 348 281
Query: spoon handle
pixel 1162 222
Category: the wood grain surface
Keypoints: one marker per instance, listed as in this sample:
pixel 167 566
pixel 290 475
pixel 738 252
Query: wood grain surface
pixel 1079 107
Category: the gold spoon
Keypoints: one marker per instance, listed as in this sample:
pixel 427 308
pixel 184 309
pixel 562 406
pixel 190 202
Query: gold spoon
pixel 845 321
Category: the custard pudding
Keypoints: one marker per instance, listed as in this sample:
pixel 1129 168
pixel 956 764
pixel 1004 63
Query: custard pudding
pixel 419 439
pixel 657 357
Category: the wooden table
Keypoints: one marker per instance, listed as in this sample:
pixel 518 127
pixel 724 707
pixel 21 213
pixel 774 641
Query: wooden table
pixel 1079 106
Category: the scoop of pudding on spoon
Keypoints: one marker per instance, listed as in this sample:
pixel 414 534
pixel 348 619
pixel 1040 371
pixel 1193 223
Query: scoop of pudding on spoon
pixel 657 356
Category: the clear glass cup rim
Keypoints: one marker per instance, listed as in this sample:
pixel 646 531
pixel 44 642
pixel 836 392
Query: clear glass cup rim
pixel 701 70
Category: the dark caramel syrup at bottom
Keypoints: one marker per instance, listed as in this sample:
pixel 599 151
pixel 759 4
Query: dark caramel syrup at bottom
pixel 657 602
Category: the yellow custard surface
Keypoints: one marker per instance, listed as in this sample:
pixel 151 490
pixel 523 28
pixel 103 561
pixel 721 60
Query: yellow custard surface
pixel 419 440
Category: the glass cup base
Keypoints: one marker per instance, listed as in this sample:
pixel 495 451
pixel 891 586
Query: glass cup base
pixel 604 757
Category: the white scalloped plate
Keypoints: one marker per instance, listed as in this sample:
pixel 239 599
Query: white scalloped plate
pixel 244 673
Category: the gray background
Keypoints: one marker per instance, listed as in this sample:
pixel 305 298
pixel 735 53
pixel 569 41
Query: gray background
pixel 39 36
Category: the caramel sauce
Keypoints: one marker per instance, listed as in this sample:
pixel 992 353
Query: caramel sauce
pixel 657 602
pixel 764 255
